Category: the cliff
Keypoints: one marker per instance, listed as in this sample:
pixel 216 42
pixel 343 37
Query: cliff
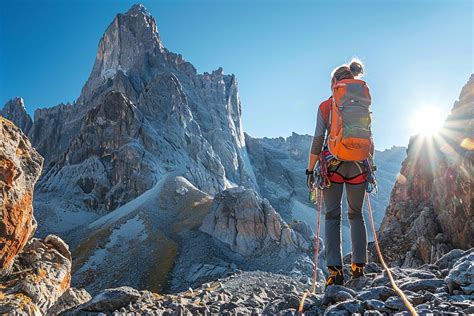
pixel 430 210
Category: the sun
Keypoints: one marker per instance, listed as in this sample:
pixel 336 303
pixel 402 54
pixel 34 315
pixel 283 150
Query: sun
pixel 427 120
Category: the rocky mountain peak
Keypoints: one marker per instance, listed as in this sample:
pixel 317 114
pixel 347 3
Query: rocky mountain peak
pixel 130 40
pixel 138 8
pixel 18 101
pixel 15 111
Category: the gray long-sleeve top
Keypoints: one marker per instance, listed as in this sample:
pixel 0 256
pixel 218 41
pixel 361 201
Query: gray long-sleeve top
pixel 321 127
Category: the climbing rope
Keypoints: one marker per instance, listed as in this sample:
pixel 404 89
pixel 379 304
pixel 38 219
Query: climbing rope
pixel 400 293
pixel 316 253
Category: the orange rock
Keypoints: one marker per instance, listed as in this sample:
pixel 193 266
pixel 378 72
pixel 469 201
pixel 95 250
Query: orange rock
pixel 20 167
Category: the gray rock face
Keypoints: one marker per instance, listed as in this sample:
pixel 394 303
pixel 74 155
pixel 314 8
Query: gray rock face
pixel 430 210
pixel 15 111
pixel 144 112
pixel 395 303
pixel 52 131
pixel 248 224
pixel 430 285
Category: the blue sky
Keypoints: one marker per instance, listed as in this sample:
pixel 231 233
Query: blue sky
pixel 417 53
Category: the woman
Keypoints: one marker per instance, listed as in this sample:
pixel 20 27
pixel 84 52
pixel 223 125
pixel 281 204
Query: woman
pixel 353 175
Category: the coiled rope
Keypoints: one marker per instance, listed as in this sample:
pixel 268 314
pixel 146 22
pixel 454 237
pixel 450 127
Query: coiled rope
pixel 400 293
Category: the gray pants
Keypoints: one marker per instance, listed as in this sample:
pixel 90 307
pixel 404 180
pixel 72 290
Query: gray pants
pixel 355 200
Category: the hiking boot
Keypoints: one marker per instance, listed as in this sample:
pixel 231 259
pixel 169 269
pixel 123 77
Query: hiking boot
pixel 336 276
pixel 357 270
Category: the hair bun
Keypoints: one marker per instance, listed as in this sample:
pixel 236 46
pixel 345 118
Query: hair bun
pixel 357 68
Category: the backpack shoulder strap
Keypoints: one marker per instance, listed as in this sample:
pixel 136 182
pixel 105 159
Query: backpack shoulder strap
pixel 325 108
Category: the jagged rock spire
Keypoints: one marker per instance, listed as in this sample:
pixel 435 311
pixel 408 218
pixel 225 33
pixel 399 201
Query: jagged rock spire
pixel 15 111
pixel 129 41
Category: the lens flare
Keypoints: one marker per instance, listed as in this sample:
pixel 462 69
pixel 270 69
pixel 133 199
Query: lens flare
pixel 467 143
pixel 427 121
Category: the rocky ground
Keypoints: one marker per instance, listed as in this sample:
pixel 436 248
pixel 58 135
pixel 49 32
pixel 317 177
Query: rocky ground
pixel 36 274
pixel 446 287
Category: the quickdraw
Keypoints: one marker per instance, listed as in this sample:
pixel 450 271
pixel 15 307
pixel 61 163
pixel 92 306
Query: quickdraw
pixel 371 180
pixel 326 161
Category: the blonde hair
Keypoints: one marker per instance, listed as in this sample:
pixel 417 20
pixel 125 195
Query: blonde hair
pixel 353 70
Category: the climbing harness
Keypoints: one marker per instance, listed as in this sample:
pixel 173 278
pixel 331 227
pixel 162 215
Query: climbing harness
pixel 324 176
pixel 316 253
pixel 400 293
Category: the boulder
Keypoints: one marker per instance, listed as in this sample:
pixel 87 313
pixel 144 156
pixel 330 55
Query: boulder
pixel 448 260
pixel 376 293
pixel 71 299
pixel 247 224
pixel 111 299
pixel 351 307
pixel 337 293
pixel 42 274
pixel 430 285
pixel 20 167
pixel 395 303
pixel 461 277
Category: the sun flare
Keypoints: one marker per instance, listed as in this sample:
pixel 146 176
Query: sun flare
pixel 427 120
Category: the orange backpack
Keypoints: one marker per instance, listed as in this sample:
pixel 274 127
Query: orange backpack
pixel 350 135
